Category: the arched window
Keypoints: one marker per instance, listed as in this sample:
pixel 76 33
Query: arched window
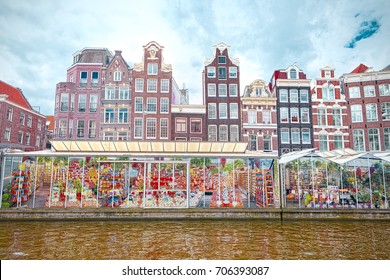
pixel 293 74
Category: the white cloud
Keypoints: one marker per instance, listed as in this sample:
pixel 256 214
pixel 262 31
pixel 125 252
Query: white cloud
pixel 39 37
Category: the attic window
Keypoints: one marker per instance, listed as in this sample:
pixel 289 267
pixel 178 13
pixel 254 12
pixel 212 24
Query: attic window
pixel 293 74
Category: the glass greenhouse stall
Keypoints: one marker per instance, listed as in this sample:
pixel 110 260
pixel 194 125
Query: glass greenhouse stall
pixel 85 174
pixel 336 179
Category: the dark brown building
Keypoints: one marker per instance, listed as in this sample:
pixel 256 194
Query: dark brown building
pixel 295 129
pixel 221 88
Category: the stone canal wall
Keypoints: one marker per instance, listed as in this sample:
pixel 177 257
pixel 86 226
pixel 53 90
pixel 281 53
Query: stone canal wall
pixel 188 214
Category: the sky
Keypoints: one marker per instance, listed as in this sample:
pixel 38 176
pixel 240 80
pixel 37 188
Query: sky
pixel 39 37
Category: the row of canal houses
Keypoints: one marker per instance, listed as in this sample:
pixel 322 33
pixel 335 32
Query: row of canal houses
pixel 104 98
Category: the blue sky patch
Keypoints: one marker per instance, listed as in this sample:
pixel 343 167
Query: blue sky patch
pixel 367 29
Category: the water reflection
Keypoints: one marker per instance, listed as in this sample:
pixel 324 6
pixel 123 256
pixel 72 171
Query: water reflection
pixel 195 240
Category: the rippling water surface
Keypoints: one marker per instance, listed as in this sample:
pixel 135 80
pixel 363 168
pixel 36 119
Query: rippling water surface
pixel 230 239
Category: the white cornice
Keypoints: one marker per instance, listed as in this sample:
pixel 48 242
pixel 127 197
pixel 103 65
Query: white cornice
pixel 293 82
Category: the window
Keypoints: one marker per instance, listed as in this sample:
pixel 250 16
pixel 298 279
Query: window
pixel 222 90
pixel 371 112
pixel 39 125
pixel 267 143
pixel 294 95
pixel 232 72
pixel 223 133
pixel 252 117
pixel 82 102
pixel 328 93
pixel 122 136
pixel 386 134
pixel 283 95
pixel 109 135
pixel 234 133
pixel 234 111
pixel 337 117
pixel 139 107
pixel 181 125
pixel 386 111
pixel 83 78
pixel 10 114
pixel 123 115
pixel 80 129
pixel 151 105
pixel 284 136
pixel 124 93
pixel 212 110
pixel 294 115
pixel 252 142
pixel 293 74
pixel 110 93
pixel 295 136
pixel 304 95
pixel 305 116
pixel 211 90
pixel 327 74
pixel 22 118
pixel 38 142
pixel 210 72
pixel 222 73
pixel 196 125
pixel 323 143
pixel 322 116
pixel 151 128
pixel 165 85
pixel 283 115
pixel 212 133
pixel 338 142
pixel 354 92
pixel 356 112
pixel 369 91
pixel 373 139
pixel 164 105
pixel 7 134
pixel 70 128
pixel 117 76
pixel 62 129
pixel 139 85
pixel 93 99
pixel 29 121
pixel 95 79
pixel 152 85
pixel 223 111
pixel 72 102
pixel 384 90
pixel 108 115
pixel 306 136
pixel 164 128
pixel 152 68
pixel 233 90
pixel 221 59
pixel 92 129
pixel 358 140
pixel 138 128
pixel 64 102
pixel 266 117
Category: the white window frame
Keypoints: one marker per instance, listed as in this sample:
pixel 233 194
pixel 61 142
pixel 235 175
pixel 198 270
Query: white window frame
pixel 295 135
pixel 354 92
pixel 212 111
pixel 93 102
pixel 151 101
pixel 233 72
pixel 386 136
pixel 109 115
pixel 138 104
pixel 384 89
pixel 371 112
pixel 7 134
pixel 322 117
pixel 124 93
pixel 152 85
pixel 138 128
pixel 151 128
pixel 82 109
pixel 92 129
pixel 283 95
pixel 212 133
pixel 123 115
pixel 358 145
pixel 356 113
pixel 164 105
pixel 284 115
pixel 211 72
pixel 181 125
pixel 117 76
pixel 222 90
pixel 294 111
pixel 233 90
pixel 385 110
pixel 152 68
pixel 371 139
pixel 304 96
pixel 284 135
pixel 323 142
pixel 211 90
pixel 252 117
pixel 305 132
pixel 369 91
pixel 223 133
pixel 164 85
pixel 294 96
pixel 305 112
pixel 139 85
pixel 234 133
pixel 233 111
pixel 222 111
pixel 164 128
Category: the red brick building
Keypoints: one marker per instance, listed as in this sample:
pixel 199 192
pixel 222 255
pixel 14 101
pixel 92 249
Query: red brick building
pixel 189 123
pixel 259 120
pixel 152 89
pixel 221 87
pixel 368 95
pixel 21 127
pixel 329 115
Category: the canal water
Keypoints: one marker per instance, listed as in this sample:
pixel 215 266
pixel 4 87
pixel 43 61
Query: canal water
pixel 216 239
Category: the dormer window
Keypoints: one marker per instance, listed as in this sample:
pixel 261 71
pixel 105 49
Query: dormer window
pixel 221 59
pixel 293 74
pixel 327 74
pixel 152 68
pixel 117 76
